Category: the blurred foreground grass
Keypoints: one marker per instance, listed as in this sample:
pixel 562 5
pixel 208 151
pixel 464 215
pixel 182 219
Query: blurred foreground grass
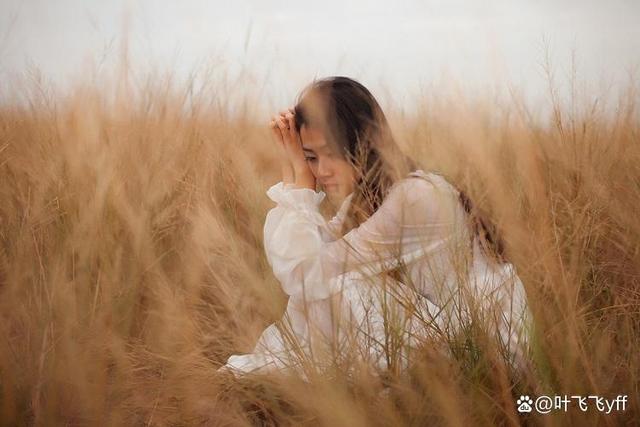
pixel 131 262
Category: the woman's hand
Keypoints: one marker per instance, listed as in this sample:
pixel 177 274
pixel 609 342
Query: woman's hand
pixel 292 146
pixel 288 176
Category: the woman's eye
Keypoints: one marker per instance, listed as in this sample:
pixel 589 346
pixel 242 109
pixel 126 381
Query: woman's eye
pixel 310 159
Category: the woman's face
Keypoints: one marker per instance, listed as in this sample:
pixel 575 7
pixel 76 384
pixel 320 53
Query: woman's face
pixel 332 171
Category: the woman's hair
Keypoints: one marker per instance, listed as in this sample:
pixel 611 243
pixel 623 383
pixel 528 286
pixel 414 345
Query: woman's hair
pixel 354 124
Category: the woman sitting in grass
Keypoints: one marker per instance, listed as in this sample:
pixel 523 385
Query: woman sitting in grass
pixel 404 260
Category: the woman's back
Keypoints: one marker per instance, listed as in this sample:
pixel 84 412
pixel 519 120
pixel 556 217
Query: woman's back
pixel 459 277
pixel 442 260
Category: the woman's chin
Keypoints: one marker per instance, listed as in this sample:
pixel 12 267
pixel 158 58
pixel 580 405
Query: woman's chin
pixel 332 191
pixel 334 194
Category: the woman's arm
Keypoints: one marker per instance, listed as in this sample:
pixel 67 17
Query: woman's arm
pixel 294 166
pixel 415 218
pixel 286 168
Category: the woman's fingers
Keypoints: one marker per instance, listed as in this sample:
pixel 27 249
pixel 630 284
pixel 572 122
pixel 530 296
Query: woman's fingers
pixel 288 175
pixel 283 126
pixel 273 125
pixel 296 169
pixel 291 121
pixel 291 141
pixel 284 112
pixel 276 131
pixel 287 129
pixel 288 140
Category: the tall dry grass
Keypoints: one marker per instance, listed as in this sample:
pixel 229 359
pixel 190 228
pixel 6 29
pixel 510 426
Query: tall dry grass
pixel 131 260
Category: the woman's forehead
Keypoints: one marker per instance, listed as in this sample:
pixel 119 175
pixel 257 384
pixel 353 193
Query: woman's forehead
pixel 312 138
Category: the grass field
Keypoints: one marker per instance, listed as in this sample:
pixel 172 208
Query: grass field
pixel 131 260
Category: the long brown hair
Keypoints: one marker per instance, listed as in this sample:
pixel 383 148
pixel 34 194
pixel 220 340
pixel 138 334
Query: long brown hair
pixel 353 122
pixel 485 230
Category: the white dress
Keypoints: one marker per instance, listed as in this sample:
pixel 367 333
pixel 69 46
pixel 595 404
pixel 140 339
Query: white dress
pixel 342 306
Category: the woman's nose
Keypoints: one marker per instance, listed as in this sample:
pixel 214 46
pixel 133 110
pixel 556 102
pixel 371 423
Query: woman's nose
pixel 324 168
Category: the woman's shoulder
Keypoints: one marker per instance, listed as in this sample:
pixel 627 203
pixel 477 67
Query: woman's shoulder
pixel 423 193
pixel 418 182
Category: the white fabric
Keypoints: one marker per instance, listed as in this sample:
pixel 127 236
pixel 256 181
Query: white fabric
pixel 335 284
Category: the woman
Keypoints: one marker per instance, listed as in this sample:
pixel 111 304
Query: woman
pixel 396 262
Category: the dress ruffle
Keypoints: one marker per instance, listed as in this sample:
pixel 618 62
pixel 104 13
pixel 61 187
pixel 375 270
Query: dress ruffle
pixel 302 200
pixel 289 196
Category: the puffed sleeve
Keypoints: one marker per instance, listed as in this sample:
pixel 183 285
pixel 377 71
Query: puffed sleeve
pixel 414 219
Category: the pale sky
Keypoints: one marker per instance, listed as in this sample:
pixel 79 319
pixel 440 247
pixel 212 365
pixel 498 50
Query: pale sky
pixel 393 47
